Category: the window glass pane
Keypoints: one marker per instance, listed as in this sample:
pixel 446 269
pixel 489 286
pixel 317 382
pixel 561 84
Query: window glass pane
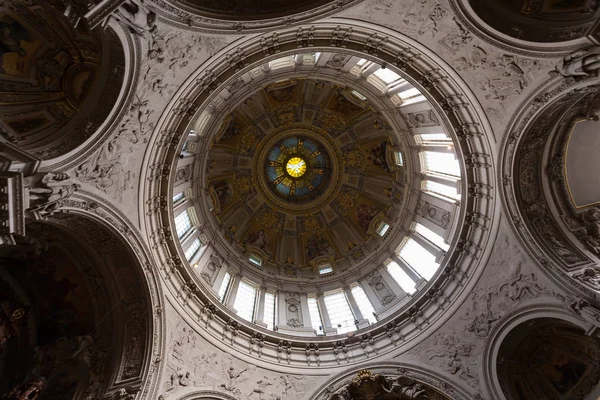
pixel 245 300
pixel 325 269
pixel 193 249
pixel 339 311
pixel 431 236
pixel 315 315
pixel 269 318
pixel 361 62
pixel 434 137
pixel 412 100
pixel 182 224
pixel 399 159
pixel 177 197
pixel 387 75
pixel 419 258
pixel 444 163
pixel 407 284
pixel 224 286
pixel 407 94
pixel 255 260
pixel 440 189
pixel 359 95
pixel 364 305
pixel 382 228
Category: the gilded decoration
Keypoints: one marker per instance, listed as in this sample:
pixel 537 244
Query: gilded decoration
pixel 369 386
pixel 291 180
pixel 298 169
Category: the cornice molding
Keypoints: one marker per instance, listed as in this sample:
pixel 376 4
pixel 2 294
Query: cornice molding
pixel 461 115
pixel 545 99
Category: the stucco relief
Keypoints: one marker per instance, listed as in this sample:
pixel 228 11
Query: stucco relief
pixel 193 363
pixel 509 279
pixel 168 57
pixel 498 77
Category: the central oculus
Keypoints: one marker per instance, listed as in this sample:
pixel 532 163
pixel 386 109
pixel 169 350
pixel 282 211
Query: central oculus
pixel 297 169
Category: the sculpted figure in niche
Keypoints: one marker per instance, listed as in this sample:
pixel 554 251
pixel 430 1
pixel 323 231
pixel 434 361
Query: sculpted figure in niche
pixel 581 63
pixel 137 16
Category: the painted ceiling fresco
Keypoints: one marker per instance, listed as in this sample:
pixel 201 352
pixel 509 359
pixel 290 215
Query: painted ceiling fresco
pixel 51 82
pixel 548 358
pixel 342 192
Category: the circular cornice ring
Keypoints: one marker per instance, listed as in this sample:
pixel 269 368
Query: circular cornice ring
pixel 400 223
pixel 176 15
pixel 96 208
pixel 475 24
pixel 133 54
pixel 543 307
pixel 206 395
pixel 462 116
pixel 547 96
pixel 423 374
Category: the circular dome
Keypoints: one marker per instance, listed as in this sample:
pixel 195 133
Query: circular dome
pixel 55 81
pixel 297 169
pixel 375 251
pixel 299 191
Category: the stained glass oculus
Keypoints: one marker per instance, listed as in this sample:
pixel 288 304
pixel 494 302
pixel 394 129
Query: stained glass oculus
pixel 298 169
pixel 295 167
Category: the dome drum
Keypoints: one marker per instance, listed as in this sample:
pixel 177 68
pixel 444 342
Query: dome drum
pixel 232 228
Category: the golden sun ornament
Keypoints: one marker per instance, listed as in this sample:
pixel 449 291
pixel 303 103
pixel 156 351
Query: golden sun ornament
pixel 295 167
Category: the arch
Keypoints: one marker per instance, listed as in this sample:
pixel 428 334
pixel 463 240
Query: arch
pixel 546 308
pixel 528 155
pixel 459 110
pixel 122 294
pixel 123 101
pixel 60 84
pixel 498 23
pixel 206 395
pixel 190 14
pixel 404 372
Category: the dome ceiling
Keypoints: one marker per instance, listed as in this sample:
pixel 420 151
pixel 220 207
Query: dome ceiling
pixel 302 174
pixel 55 89
pixel 253 9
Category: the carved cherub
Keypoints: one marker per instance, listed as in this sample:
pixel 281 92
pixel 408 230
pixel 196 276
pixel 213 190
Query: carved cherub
pixel 591 219
pixel 232 375
pixel 261 387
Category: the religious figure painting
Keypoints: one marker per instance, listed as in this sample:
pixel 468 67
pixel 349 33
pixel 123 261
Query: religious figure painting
pixel 224 192
pixel 365 214
pixel 563 371
pixel 259 240
pixel 318 247
pixel 17 47
pixel 376 156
